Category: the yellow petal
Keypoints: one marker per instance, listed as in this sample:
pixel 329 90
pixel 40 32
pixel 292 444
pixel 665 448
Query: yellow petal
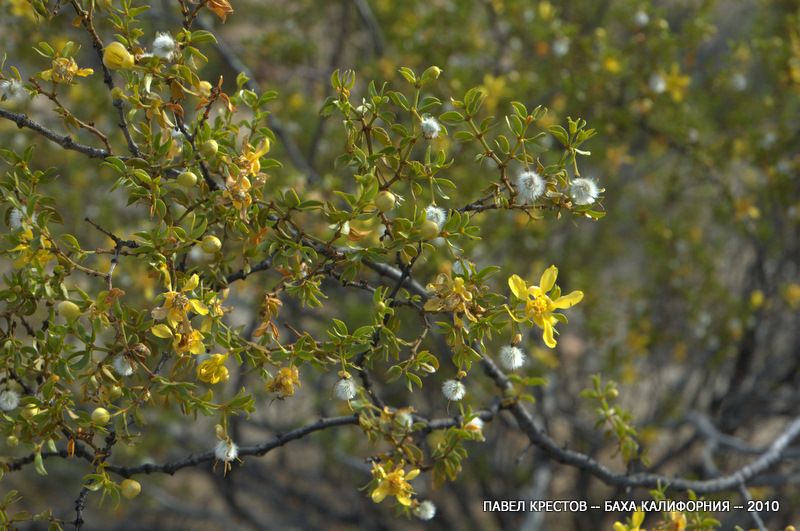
pixel 547 334
pixel 198 307
pixel 404 499
pixel 535 291
pixel 518 287
pixel 568 301
pixel 378 494
pixel 548 279
pixel 192 283
pixel 412 474
pixel 161 331
pixel 83 72
pixel 638 518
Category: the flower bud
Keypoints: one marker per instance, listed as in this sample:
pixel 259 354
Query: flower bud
pixel 116 56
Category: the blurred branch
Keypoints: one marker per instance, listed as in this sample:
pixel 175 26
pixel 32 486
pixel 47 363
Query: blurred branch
pixel 582 461
pixel 371 24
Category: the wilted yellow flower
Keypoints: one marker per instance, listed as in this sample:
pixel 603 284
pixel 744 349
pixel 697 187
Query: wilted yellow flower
pixel 177 305
pixel 213 369
pixel 453 295
pixel 237 190
pixel 539 306
pixel 395 483
pixel 116 56
pixel 677 521
pixel 249 161
pixel 191 342
pixel 221 8
pixel 284 382
pixel 63 70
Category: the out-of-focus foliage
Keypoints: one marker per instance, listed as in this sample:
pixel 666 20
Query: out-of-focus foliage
pixel 648 149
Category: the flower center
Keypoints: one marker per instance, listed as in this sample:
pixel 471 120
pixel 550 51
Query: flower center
pixel 540 306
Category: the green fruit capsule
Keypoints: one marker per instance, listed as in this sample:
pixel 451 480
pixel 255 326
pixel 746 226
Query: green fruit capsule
pixel 211 244
pixel 69 310
pixel 385 201
pixel 209 148
pixel 187 179
pixel 100 416
pixel 429 230
pixel 130 488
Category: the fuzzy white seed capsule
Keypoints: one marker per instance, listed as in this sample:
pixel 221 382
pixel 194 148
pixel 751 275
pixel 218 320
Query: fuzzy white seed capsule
pixel 164 46
pixel 530 186
pixel 15 219
pixel 657 83
pixel 561 46
pixel 430 127
pixel 12 90
pixel 641 18
pixel 226 451
pixel 453 390
pixel 584 191
pixel 122 366
pixel 425 510
pixel 345 389
pixel 512 358
pixel 9 400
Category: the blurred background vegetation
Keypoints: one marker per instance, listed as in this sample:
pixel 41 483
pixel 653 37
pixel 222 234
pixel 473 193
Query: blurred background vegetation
pixel 691 279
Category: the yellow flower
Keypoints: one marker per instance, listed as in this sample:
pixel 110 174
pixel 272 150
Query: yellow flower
pixel 250 160
pixel 30 256
pixel 395 483
pixel 177 305
pixel 22 8
pixel 539 306
pixel 677 521
pixel 284 382
pixel 63 70
pixel 190 341
pixel 676 83
pixel 636 521
pixel 116 56
pixel 213 369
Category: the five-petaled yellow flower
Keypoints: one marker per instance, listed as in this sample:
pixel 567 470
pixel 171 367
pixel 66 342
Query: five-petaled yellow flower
pixel 213 369
pixel 539 306
pixel 677 83
pixel 177 305
pixel 395 483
